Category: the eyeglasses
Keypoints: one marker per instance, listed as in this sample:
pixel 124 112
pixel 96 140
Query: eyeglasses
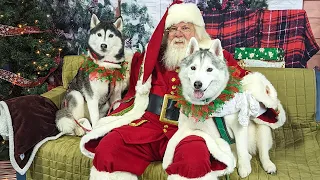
pixel 183 29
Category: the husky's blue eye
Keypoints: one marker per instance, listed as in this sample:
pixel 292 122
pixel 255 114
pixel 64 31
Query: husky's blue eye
pixel 110 35
pixel 193 68
pixel 99 34
pixel 209 69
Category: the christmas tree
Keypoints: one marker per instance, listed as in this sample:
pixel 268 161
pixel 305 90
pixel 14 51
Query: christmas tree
pixel 28 47
pixel 72 20
pixel 208 6
pixel 138 25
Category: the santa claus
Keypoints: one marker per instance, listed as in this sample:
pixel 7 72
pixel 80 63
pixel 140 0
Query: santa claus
pixel 135 134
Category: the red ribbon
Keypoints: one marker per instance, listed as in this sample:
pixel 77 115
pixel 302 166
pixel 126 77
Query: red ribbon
pixel 6 30
pixel 23 82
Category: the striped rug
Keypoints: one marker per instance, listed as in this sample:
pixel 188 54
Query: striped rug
pixel 6 171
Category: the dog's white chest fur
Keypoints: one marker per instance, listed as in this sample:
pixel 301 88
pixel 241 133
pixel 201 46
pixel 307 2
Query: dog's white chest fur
pixel 100 88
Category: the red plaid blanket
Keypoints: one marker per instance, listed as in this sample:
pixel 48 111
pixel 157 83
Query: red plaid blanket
pixel 286 29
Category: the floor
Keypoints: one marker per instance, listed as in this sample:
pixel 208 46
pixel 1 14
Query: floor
pixel 6 171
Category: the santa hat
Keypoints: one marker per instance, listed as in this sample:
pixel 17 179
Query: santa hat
pixel 188 13
pixel 176 13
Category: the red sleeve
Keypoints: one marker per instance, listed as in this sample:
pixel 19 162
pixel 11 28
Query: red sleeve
pixel 232 62
pixel 134 77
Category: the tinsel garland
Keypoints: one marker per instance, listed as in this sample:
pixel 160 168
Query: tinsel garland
pixel 96 72
pixel 13 78
pixel 203 112
pixel 6 30
pixel 23 82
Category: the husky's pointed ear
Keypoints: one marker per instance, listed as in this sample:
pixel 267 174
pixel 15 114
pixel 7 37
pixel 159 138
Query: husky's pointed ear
pixel 193 46
pixel 216 48
pixel 94 21
pixel 119 23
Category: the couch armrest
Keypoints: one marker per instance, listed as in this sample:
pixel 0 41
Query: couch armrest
pixel 56 95
pixel 70 67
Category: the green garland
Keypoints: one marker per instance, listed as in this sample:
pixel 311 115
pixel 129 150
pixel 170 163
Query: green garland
pixel 203 112
pixel 94 71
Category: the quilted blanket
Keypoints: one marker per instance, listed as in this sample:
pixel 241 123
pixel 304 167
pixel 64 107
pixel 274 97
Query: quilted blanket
pixel 29 122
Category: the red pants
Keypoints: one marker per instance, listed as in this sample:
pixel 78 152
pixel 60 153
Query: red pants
pixel 191 160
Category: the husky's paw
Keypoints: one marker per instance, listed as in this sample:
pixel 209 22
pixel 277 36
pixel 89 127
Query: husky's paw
pixel 78 131
pixel 65 125
pixel 244 169
pixel 269 167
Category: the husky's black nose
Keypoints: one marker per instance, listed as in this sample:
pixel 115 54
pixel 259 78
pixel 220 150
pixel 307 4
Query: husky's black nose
pixel 197 84
pixel 103 46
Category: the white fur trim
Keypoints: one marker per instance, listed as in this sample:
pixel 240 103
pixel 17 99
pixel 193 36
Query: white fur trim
pixel 117 175
pixel 281 118
pixel 5 118
pixel 185 12
pixel 209 176
pixel 106 124
pixel 258 85
pixel 218 148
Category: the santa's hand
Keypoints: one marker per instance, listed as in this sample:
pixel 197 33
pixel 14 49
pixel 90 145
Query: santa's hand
pixel 105 121
pixel 143 88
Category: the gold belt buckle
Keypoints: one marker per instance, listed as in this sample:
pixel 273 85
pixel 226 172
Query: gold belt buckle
pixel 164 110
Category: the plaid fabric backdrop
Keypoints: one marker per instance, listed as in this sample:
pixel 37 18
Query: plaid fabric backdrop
pixel 286 29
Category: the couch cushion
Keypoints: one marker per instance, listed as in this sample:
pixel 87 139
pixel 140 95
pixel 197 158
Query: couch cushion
pixel 60 159
pixel 71 64
pixel 296 91
pixel 296 149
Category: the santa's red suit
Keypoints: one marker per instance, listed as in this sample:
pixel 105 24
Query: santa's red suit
pixel 134 135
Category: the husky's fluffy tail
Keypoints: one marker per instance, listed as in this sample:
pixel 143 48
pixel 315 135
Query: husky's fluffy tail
pixel 72 109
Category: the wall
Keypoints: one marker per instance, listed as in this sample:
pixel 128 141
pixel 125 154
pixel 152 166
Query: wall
pixel 312 8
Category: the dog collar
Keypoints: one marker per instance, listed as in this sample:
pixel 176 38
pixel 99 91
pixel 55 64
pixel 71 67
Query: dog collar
pixel 96 72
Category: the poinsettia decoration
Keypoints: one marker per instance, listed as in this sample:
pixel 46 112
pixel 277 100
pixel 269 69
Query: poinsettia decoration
pixel 203 112
pixel 96 72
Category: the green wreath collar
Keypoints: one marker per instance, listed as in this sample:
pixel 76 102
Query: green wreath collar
pixel 96 72
pixel 203 112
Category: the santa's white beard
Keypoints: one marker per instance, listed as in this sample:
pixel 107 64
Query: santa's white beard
pixel 174 53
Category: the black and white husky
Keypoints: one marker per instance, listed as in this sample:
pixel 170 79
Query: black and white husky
pixel 106 51
pixel 204 75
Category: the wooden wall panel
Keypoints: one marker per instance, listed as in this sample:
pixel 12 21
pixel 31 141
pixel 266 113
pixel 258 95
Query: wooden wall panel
pixel 312 8
pixel 315 26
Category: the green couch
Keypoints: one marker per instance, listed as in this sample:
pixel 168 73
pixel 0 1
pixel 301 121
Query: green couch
pixel 296 149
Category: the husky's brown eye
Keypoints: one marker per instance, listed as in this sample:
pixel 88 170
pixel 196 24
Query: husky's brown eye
pixel 110 35
pixel 99 34
pixel 193 68
pixel 209 69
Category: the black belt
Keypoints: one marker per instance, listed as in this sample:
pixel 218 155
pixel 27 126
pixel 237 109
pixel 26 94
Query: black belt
pixel 169 113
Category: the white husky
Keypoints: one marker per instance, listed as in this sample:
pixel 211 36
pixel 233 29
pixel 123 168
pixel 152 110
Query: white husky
pixel 106 52
pixel 204 75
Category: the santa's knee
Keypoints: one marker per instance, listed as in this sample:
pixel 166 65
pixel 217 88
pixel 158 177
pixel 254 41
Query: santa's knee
pixel 107 151
pixel 191 159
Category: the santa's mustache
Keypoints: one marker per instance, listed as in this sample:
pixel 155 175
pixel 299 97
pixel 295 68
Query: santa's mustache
pixel 179 40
